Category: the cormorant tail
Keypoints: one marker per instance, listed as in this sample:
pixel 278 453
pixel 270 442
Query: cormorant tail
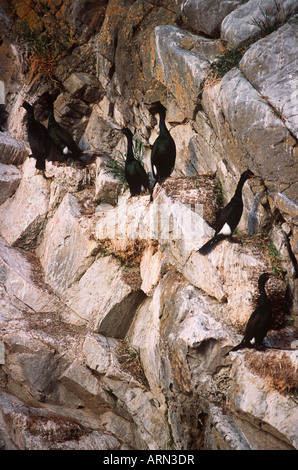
pixel 151 194
pixel 205 249
pixel 40 165
pixel 243 344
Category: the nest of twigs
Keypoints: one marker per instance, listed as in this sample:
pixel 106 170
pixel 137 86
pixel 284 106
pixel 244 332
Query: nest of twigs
pixel 130 361
pixel 277 369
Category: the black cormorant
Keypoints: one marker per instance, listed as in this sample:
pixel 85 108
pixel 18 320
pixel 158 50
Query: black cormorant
pixel 163 153
pixel 135 173
pixel 229 217
pixel 259 322
pixel 41 144
pixel 60 136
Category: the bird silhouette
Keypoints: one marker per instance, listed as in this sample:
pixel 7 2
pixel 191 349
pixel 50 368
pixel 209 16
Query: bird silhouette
pixel 62 138
pixel 229 216
pixel 42 146
pixel 163 151
pixel 135 173
pixel 260 320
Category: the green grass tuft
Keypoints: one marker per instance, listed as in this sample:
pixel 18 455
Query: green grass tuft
pixel 224 62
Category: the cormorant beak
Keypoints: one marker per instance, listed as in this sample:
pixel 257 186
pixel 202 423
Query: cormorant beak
pixel 152 106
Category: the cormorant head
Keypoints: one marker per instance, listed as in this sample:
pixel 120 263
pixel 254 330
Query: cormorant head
pixel 28 107
pixel 126 132
pixel 247 174
pixel 156 107
pixel 48 98
pixel 264 278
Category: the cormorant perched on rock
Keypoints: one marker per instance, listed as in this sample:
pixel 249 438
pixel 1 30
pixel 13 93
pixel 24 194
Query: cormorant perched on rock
pixel 135 173
pixel 41 144
pixel 60 136
pixel 229 217
pixel 163 153
pixel 259 322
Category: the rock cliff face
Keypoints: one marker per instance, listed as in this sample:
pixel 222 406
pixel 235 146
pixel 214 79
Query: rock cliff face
pixel 113 327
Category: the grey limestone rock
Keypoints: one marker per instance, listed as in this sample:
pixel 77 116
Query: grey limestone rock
pixel 201 16
pixel 246 23
pixel 270 65
pixel 10 178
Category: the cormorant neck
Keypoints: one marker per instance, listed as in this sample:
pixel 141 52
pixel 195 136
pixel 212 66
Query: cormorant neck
pixel 263 295
pixel 162 119
pixel 51 113
pixel 30 116
pixel 240 185
pixel 129 154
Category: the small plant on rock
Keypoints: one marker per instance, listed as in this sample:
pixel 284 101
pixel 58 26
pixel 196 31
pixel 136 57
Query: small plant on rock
pixel 223 63
pixel 171 442
pixel 44 48
pixel 130 360
pixel 275 259
pixel 268 22
pixel 219 193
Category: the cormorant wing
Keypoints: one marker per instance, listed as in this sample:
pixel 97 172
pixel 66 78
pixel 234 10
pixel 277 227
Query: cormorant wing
pixel 154 153
pixel 64 136
pixel 225 214
pixel 141 172
pixel 39 139
pixel 252 324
